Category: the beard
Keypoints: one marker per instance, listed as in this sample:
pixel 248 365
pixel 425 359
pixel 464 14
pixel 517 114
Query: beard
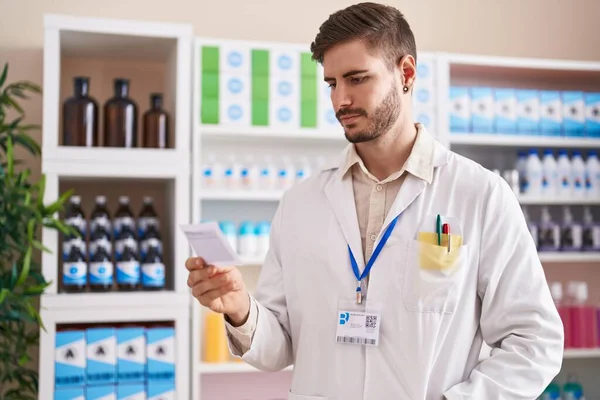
pixel 382 119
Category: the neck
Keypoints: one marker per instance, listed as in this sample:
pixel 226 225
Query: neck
pixel 388 153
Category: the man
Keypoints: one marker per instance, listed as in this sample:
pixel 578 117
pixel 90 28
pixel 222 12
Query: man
pixel 412 325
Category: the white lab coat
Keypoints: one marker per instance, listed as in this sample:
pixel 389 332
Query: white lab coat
pixel 430 338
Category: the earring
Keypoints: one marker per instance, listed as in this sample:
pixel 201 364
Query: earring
pixel 405 89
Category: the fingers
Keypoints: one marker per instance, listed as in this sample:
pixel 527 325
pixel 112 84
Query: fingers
pixel 193 263
pixel 218 285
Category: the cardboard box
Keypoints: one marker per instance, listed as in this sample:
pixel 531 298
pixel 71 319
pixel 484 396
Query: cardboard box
pixel 131 352
pixel 70 359
pixel 101 356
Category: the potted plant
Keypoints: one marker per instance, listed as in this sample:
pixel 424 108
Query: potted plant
pixel 22 215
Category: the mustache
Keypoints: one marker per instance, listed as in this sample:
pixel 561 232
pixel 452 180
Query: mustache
pixel 351 111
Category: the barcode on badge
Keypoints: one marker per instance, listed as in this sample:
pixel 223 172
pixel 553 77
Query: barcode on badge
pixel 371 321
pixel 355 340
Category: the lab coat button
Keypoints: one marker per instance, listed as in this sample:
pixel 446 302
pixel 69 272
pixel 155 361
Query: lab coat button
pixel 373 237
pixel 379 188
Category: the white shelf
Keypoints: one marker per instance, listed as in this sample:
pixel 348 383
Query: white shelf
pixel 502 140
pixel 569 257
pixel 524 63
pixel 581 353
pixel 229 368
pixel 525 200
pixel 104 162
pixel 231 132
pixel 240 195
pixel 129 300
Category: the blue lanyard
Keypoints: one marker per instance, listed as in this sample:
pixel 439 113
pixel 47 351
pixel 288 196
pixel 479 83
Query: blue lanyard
pixel 374 256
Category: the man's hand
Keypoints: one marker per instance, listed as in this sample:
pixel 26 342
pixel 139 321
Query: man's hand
pixel 222 290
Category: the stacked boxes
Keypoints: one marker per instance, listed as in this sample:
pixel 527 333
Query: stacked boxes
pixel 524 111
pixel 424 100
pixel 260 86
pixel 122 363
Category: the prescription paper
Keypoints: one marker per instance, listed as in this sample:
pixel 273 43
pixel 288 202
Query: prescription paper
pixel 207 241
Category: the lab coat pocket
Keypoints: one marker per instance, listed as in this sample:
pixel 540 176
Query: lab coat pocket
pixel 292 396
pixel 434 274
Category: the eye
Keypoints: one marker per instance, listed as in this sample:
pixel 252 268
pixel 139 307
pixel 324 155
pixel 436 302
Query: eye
pixel 357 79
pixel 331 85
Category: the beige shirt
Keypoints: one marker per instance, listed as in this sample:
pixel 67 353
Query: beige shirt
pixel 373 199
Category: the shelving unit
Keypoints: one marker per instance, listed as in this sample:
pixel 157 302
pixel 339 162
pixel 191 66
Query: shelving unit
pixel 156 57
pixel 499 151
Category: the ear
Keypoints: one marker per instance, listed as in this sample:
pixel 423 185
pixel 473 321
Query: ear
pixel 408 69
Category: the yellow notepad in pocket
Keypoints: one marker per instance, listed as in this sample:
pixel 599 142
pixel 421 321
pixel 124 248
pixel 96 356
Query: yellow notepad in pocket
pixel 436 257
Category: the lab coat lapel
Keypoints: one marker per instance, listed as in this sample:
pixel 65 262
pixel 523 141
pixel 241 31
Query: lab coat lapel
pixel 340 194
pixel 411 188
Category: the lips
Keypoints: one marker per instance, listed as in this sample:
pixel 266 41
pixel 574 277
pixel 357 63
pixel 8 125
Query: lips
pixel 348 119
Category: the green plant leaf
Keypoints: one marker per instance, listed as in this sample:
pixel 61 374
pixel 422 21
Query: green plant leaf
pixel 4 74
pixel 28 142
pixel 38 245
pixel 13 276
pixel 25 268
pixel 3 294
pixel 41 191
pixel 30 229
pixel 9 152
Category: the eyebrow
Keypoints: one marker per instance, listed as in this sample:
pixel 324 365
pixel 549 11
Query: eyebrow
pixel 349 73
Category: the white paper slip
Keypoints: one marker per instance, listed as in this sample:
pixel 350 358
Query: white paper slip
pixel 207 241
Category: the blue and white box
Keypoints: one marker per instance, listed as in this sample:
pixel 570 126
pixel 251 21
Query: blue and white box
pixel 528 112
pixel 131 391
pixel 70 394
pixel 425 72
pixel 131 352
pixel 460 109
pixel 160 354
pixel 505 110
pixel 592 114
pixel 551 115
pixel 482 109
pixel 69 359
pixel 423 96
pixel 103 392
pixel 161 390
pixel 101 356
pixel 573 113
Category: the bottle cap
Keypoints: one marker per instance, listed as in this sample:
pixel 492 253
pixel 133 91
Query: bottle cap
pixel 247 228
pixel 533 151
pixel 101 199
pixel 147 200
pixel 592 153
pixel 582 291
pixel 76 199
pixel 123 199
pixel 576 153
pixel 548 152
pixel 156 100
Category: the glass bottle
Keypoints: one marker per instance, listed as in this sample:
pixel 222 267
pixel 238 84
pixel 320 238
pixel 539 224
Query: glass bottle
pixel 80 116
pixel 156 124
pixel 120 117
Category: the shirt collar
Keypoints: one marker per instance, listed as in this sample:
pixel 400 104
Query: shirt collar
pixel 419 163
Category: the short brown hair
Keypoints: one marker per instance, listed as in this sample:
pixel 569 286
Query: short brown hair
pixel 384 28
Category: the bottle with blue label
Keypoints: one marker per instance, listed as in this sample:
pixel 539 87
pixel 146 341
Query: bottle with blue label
pixel 268 175
pixel 128 267
pixel 565 180
pixel 578 172
pixel 248 243
pixel 304 171
pixel 147 217
pixel 572 389
pixel 101 271
pixel 533 176
pixel 75 218
pixel 123 217
pixel 230 233
pixel 552 392
pixel 592 175
pixel 287 174
pixel 153 268
pixel 521 167
pixel 100 215
pixel 75 271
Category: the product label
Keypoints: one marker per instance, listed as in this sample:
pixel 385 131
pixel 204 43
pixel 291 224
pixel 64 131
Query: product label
pixel 102 242
pixel 74 273
pixel 128 272
pixel 101 273
pixel 153 275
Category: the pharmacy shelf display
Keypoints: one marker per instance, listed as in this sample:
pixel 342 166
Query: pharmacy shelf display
pixel 537 123
pixel 116 114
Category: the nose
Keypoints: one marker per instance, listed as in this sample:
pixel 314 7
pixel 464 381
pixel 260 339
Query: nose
pixel 340 98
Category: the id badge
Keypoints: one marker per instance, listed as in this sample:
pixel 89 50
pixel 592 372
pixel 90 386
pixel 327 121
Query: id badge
pixel 358 323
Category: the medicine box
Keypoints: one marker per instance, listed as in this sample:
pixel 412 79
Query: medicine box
pixel 161 390
pixel 69 358
pixel 131 391
pixel 505 111
pixel 482 109
pixel 69 394
pixel 592 114
pixel 528 112
pixel 423 96
pixel 425 73
pixel 550 113
pixel 101 356
pixel 460 109
pixel 131 354
pixel 160 354
pixel 103 392
pixel 284 101
pixel 573 113
pixel 234 57
pixel 235 101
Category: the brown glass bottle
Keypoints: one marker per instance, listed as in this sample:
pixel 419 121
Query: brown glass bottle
pixel 80 116
pixel 156 124
pixel 120 117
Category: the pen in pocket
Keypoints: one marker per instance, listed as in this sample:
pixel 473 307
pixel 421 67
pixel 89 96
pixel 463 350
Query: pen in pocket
pixel 446 231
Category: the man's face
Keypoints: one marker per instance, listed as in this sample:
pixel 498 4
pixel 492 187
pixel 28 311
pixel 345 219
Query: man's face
pixel 365 93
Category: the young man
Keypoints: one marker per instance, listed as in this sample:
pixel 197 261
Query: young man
pixel 361 290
